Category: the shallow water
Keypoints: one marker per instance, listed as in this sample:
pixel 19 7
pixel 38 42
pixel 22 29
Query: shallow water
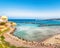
pixel 32 32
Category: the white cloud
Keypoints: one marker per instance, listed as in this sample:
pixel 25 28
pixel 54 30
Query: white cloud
pixel 31 14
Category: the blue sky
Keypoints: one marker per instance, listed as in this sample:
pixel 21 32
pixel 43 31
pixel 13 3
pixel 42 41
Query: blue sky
pixel 41 9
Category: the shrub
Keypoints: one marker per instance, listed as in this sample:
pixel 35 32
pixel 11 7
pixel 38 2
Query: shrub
pixel 2 23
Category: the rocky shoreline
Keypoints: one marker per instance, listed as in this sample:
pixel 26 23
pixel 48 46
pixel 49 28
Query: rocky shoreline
pixel 19 42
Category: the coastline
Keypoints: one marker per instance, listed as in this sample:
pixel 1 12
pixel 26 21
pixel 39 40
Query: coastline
pixel 16 41
pixel 48 41
pixel 13 40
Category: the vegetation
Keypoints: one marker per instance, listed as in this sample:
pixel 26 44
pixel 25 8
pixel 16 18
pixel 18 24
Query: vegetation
pixel 4 27
pixel 2 23
pixel 3 31
pixel 4 44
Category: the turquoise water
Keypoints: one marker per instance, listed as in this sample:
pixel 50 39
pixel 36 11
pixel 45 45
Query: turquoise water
pixel 36 30
pixel 27 25
pixel 32 32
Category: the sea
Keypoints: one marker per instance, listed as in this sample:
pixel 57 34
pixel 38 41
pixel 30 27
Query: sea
pixel 36 21
pixel 35 29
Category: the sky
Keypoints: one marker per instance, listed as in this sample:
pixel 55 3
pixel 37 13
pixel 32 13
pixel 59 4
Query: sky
pixel 30 9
